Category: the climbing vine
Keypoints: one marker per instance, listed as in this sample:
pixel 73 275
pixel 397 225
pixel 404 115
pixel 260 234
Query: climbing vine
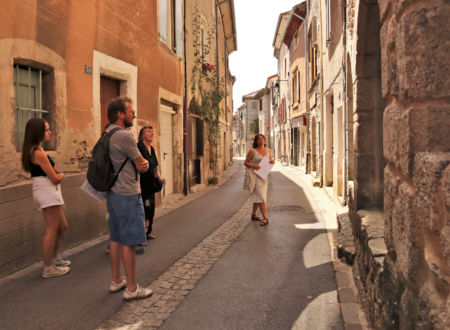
pixel 207 88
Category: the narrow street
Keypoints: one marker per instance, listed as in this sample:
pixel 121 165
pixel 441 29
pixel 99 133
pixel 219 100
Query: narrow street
pixel 274 277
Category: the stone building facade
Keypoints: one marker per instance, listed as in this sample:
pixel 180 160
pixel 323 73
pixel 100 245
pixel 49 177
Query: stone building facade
pixel 272 119
pixel 255 108
pixel 399 74
pixel 282 91
pixel 379 142
pixel 386 149
pixel 210 39
pixel 65 62
pixel 294 38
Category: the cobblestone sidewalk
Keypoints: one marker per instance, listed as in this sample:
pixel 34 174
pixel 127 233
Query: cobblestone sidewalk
pixel 171 287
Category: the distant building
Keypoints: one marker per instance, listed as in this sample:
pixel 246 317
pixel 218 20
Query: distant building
pixel 256 111
pixel 281 53
pixel 270 83
pixel 294 38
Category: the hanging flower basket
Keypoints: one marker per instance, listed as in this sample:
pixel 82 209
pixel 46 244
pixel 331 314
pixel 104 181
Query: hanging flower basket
pixel 207 68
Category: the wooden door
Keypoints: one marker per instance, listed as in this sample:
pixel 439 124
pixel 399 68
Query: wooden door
pixel 109 89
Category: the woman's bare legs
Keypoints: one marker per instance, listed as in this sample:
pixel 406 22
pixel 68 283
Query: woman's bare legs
pixel 55 227
pixel 255 208
pixel 63 225
pixel 263 208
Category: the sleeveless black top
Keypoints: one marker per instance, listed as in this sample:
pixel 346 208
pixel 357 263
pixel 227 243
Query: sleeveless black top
pixel 36 170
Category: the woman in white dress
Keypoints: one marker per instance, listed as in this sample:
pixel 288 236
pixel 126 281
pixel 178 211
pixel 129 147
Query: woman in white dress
pixel 254 156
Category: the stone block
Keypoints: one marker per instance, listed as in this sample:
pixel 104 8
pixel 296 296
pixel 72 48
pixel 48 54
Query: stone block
pixel 384 6
pixel 430 128
pixel 365 98
pixel 365 137
pixel 391 184
pixel 431 178
pixel 389 73
pixel 422 52
pixel 407 236
pixel 397 139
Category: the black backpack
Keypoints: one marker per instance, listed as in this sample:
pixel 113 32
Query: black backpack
pixel 100 174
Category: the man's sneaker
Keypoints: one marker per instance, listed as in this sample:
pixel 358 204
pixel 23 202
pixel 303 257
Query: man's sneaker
pixel 114 287
pixel 54 271
pixel 139 293
pixel 58 262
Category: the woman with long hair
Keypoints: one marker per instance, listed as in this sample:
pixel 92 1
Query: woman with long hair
pixel 46 194
pixel 254 156
pixel 148 178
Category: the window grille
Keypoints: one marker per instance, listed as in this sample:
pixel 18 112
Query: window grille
pixel 29 92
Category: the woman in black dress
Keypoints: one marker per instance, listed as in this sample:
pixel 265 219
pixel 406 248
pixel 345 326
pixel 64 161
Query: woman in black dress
pixel 148 178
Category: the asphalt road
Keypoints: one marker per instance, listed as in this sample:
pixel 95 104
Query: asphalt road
pixel 274 277
pixel 81 299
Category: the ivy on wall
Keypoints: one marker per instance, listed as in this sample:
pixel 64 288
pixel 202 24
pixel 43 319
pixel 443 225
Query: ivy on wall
pixel 208 89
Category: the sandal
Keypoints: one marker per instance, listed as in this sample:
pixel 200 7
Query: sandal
pixel 255 218
pixel 264 222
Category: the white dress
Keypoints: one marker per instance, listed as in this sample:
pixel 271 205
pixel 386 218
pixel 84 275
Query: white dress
pixel 260 191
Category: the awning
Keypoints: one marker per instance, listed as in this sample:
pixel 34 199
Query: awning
pixel 298 121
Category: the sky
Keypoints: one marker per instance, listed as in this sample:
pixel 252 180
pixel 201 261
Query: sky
pixel 253 62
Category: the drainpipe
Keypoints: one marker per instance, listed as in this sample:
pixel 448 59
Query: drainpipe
pixel 217 79
pixel 346 128
pixel 185 172
pixel 321 130
pixel 306 79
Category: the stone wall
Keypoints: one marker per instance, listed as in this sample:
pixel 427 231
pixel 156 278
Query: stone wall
pixel 22 224
pixel 403 272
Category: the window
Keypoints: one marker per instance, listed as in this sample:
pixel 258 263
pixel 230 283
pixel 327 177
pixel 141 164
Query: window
pixel 169 23
pixel 32 98
pixel 313 62
pixel 296 87
pixel 285 72
pixel 260 104
pixel 328 22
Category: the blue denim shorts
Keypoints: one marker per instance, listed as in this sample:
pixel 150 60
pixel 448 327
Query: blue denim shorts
pixel 126 219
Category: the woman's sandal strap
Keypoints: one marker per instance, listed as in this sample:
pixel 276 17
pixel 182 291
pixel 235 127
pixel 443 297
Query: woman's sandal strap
pixel 264 222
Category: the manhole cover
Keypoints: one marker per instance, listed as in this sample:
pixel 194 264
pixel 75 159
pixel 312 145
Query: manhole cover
pixel 286 208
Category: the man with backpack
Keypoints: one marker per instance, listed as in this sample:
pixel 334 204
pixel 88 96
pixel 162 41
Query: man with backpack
pixel 124 203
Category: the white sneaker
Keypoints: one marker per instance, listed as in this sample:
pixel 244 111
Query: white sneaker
pixel 61 262
pixel 114 287
pixel 139 293
pixel 54 271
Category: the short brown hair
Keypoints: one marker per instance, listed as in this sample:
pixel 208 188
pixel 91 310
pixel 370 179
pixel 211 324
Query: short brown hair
pixel 117 104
